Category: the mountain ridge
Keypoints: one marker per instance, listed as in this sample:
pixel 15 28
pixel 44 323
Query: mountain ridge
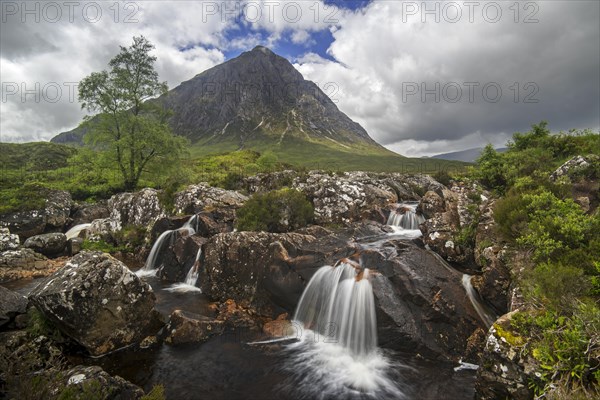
pixel 257 100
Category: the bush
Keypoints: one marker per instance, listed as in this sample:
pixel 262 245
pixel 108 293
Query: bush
pixel 277 211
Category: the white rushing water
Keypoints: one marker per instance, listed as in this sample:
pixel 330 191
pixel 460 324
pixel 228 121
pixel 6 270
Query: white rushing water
pixel 337 354
pixel 149 268
pixel 189 284
pixel 76 230
pixel 406 217
pixel 486 316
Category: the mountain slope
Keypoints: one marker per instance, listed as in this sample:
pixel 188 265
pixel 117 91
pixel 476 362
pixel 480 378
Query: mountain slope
pixel 254 100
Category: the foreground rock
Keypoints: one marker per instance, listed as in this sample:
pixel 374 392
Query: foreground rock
pixel 506 370
pixel 98 302
pixel 265 270
pixel 420 301
pixel 186 327
pixel 48 244
pixel 52 218
pixel 11 305
pixel 87 381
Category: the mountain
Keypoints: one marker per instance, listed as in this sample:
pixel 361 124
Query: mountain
pixel 469 155
pixel 255 99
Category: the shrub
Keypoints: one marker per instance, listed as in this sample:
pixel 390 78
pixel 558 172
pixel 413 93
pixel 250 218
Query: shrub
pixel 276 211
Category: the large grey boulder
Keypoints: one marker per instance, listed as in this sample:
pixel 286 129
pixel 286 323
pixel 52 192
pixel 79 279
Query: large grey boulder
pixel 205 198
pixel 48 244
pixel 52 218
pixel 11 305
pixel 141 208
pixel 97 301
pixel 345 198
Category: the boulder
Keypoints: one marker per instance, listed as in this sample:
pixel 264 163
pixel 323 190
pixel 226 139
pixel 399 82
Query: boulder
pixel 97 301
pixel 74 246
pixel 48 244
pixel 52 218
pixel 141 208
pixel 175 261
pixel 11 305
pixel 505 369
pixel 421 303
pixel 265 182
pixel 202 197
pixel 80 379
pixel 344 198
pixel 451 215
pixel 266 270
pixel 25 263
pixel 186 327
pixel 8 241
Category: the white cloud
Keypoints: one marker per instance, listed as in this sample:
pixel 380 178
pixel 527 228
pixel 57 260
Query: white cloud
pixel 382 55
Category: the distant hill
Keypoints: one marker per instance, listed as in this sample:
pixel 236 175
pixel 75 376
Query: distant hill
pixel 469 155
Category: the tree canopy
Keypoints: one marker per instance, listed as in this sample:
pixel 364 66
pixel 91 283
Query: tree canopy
pixel 131 126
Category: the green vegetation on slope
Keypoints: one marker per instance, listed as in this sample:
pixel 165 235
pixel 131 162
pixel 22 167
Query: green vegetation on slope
pixel 560 277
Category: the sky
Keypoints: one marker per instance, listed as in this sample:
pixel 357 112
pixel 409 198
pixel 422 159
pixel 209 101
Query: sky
pixel 422 77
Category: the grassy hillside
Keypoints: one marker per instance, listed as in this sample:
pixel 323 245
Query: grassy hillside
pixel 331 156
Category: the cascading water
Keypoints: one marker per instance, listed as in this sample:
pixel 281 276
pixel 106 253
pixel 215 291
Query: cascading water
pixel 149 268
pixel 339 305
pixel 485 314
pixel 76 230
pixel 189 284
pixel 406 217
pixel 336 355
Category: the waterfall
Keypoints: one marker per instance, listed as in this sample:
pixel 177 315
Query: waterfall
pixel 192 275
pixel 189 284
pixel 485 314
pixel 339 304
pixel 149 268
pixel 76 230
pixel 406 217
pixel 336 355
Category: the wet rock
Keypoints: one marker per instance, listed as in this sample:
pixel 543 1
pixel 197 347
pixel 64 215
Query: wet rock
pixel 48 244
pixel 505 370
pixel 80 379
pixel 24 263
pixel 52 218
pixel 8 241
pixel 280 327
pixel 265 269
pixel 97 301
pixel 421 303
pixel 175 261
pixel 11 305
pixel 186 327
pixel 237 316
pixel 202 197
